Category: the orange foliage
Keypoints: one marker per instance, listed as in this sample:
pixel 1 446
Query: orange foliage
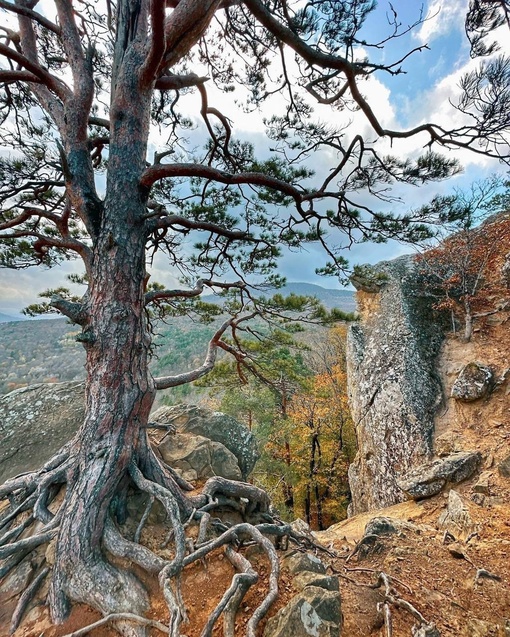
pixel 317 436
pixel 464 272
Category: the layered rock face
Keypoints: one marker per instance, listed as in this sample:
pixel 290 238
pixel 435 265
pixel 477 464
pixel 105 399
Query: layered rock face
pixel 393 387
pixel 36 421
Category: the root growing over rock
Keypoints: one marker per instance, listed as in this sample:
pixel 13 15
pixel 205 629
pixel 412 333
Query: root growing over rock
pixel 41 504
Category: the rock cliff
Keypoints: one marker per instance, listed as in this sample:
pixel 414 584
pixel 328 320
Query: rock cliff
pixel 394 389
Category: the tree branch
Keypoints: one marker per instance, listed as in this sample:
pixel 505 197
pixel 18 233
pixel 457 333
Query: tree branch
pixel 158 295
pixel 186 25
pixel 163 171
pixel 29 13
pixel 74 311
pixel 209 361
pixel 81 70
pixel 175 82
pixel 170 221
pixel 55 85
pixel 157 43
pixel 18 76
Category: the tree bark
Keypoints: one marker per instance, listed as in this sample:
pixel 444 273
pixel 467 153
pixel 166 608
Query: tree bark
pixel 468 320
pixel 119 396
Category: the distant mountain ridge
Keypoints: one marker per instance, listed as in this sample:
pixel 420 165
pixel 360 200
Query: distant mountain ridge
pixel 342 299
pixel 6 318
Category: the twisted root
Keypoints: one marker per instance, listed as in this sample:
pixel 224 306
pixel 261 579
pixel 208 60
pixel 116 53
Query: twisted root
pixel 37 503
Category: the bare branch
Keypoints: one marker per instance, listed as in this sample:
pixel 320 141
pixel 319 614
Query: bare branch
pixel 29 13
pixel 158 295
pixel 175 82
pixel 209 362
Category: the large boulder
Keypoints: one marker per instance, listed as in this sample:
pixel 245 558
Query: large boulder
pixel 36 422
pixel 430 478
pixel 383 526
pixel 315 612
pixel 393 385
pixel 299 562
pixel 198 458
pixel 473 382
pixel 216 426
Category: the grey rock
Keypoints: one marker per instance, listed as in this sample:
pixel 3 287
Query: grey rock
pixel 473 382
pixel 428 479
pixel 298 562
pixel 315 612
pixel 428 630
pixel 382 526
pixel 479 499
pixel 456 517
pixel 35 422
pixel 196 457
pixel 483 483
pixel 504 467
pixel 17 580
pixel 393 386
pixel 215 426
pixel 306 578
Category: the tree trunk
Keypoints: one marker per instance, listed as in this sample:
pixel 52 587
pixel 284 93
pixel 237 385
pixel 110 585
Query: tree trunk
pixel 119 396
pixel 468 320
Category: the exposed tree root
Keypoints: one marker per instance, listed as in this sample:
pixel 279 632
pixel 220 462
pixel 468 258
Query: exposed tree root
pixel 26 598
pixel 36 512
pixel 115 617
pixel 390 599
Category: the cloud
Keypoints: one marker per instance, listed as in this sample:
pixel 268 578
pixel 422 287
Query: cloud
pixel 442 18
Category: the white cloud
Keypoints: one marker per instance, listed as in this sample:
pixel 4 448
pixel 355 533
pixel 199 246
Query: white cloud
pixel 442 18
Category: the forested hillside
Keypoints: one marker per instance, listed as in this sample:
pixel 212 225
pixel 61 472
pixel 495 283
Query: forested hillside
pixel 46 350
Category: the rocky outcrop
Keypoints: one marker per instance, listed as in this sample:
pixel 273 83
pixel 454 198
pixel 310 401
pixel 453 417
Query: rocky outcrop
pixel 393 386
pixel 35 422
pixel 215 426
pixel 428 479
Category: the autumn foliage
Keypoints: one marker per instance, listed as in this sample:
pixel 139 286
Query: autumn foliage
pixel 465 274
pixel 309 447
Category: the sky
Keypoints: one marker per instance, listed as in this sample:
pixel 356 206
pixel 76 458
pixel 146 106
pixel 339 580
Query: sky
pixel 422 94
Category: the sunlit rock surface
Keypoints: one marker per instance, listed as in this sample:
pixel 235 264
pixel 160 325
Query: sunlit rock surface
pixel 394 389
pixel 35 422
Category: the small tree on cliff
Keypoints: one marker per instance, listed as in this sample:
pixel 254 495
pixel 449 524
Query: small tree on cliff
pixel 81 86
pixel 460 273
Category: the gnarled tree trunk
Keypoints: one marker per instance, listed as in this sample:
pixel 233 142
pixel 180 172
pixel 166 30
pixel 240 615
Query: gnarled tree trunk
pixel 119 396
